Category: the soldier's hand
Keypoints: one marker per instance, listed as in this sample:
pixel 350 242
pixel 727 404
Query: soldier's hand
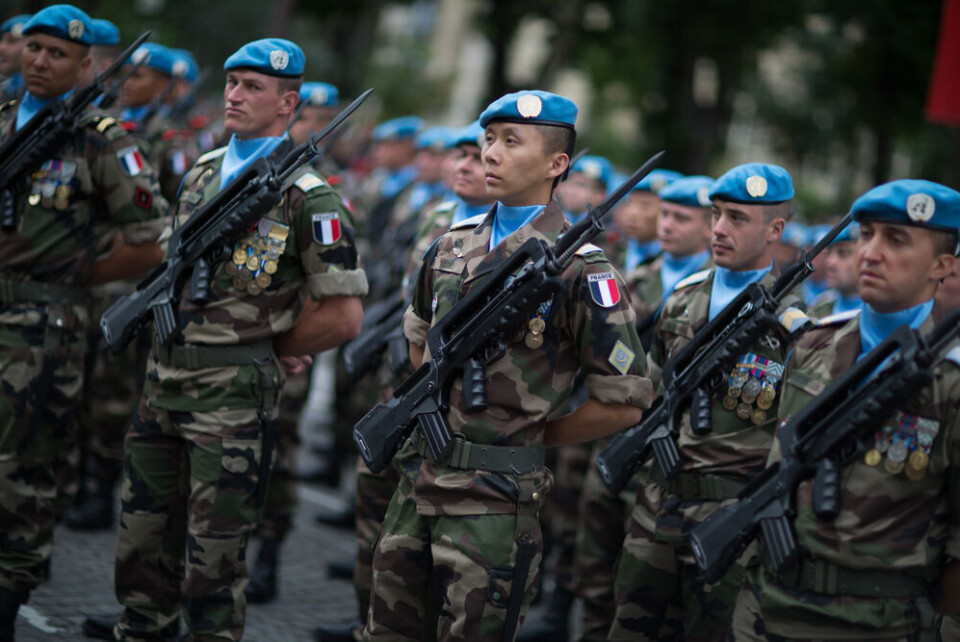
pixel 296 365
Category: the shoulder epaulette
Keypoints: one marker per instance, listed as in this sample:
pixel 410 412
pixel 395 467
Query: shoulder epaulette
pixel 827 296
pixel 588 248
pixel 954 356
pixel 7 105
pixel 107 126
pixel 211 155
pixel 794 319
pixel 446 206
pixel 467 223
pixel 840 317
pixel 309 181
pixel 693 279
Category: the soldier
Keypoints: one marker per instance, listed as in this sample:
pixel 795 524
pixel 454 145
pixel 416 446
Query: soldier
pixel 659 594
pixel 198 451
pixel 792 242
pixel 47 262
pixel 103 51
pixel 683 230
pixel 889 558
pixel 11 47
pixel 460 528
pixel 840 270
pixel 588 182
pixel 637 217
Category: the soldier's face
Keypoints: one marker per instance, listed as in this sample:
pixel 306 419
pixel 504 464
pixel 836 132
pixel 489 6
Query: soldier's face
pixel 51 65
pixel 10 49
pixel 468 179
pixel 637 215
pixel 683 230
pixel 311 121
pixel 255 106
pixel 142 87
pixel 840 267
pixel 392 154
pixel 516 166
pixel 742 237
pixel 898 266
pixel 429 164
pixel 578 190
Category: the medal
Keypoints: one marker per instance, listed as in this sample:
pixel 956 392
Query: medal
pixel 743 411
pixel 893 467
pixel 245 274
pixel 919 460
pixel 239 284
pixel 764 404
pixel 239 256
pixel 533 340
pixel 34 200
pixel 730 403
pixel 537 325
pixel 253 289
pixel 253 263
pixel 914 474
pixel 264 280
pixel 270 267
pixel 747 398
pixel 897 452
pixel 758 416
pixel 767 394
pixel 231 269
pixel 872 458
pixel 62 198
pixel 751 389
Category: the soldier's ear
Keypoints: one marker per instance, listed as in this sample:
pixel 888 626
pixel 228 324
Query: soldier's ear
pixel 942 266
pixel 288 102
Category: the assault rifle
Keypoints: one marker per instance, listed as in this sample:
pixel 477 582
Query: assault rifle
pixel 470 334
pixel 181 108
pixel 205 240
pixel 363 353
pixel 829 432
pixel 39 139
pixel 691 377
pixel 110 96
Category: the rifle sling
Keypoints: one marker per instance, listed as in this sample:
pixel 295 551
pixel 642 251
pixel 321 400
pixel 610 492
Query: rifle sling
pixel 194 356
pixel 826 578
pixel 39 292
pixel 699 487
pixel 497 459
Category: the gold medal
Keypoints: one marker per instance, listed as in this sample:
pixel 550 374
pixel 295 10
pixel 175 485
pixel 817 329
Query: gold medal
pixel 239 284
pixel 743 411
pixel 240 256
pixel 872 458
pixel 734 391
pixel 34 200
pixel 537 325
pixel 270 267
pixel 919 460
pixel 747 399
pixel 231 269
pixel 254 289
pixel 533 340
pixel 767 395
pixel 893 467
pixel 730 403
pixel 764 404
pixel 253 263
pixel 758 416
pixel 245 274
pixel 914 474
pixel 264 280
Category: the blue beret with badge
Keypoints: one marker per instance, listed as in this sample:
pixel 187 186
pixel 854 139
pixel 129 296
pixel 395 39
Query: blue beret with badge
pixel 532 107
pixel 105 33
pixel 435 138
pixel 62 21
pixel 597 168
pixel 754 183
pixel 15 25
pixel 472 134
pixel 403 128
pixel 155 56
pixel 911 202
pixel 689 191
pixel 319 94
pixel 270 56
pixel 185 65
pixel 656 180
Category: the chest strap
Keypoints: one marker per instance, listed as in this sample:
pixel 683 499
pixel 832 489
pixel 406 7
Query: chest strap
pixel 497 459
pixel 194 356
pixel 826 578
pixel 39 292
pixel 699 487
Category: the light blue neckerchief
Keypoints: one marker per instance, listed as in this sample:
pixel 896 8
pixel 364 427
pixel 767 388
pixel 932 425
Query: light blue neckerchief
pixel 30 105
pixel 421 193
pixel 727 285
pixel 397 180
pixel 846 303
pixel 574 218
pixel 877 326
pixel 677 268
pixel 15 82
pixel 507 220
pixel 242 152
pixel 812 289
pixel 638 252
pixel 465 210
pixel 134 114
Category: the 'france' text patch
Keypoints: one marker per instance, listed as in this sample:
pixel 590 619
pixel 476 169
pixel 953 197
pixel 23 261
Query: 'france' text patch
pixel 604 289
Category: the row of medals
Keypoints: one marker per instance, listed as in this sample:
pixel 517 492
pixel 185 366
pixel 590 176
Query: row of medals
pixel 745 390
pixel 253 264
pixel 909 454
pixel 534 336
pixel 54 194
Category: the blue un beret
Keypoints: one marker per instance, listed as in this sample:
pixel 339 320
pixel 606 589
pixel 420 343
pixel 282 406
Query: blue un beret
pixel 435 138
pixel 15 25
pixel 62 21
pixel 596 167
pixel 182 57
pixel 849 234
pixel 403 128
pixel 157 57
pixel 319 94
pixel 690 191
pixel 911 202
pixel 656 180
pixel 270 56
pixel 105 33
pixel 534 107
pixel 754 183
pixel 472 134
pixel 796 235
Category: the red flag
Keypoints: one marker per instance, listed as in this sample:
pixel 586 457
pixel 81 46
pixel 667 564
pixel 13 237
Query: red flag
pixel 943 99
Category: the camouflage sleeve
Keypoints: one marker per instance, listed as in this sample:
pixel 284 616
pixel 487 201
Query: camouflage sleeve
pixel 126 182
pixel 952 548
pixel 326 242
pixel 417 318
pixel 604 331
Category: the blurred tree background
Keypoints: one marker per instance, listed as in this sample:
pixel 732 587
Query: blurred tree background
pixel 834 90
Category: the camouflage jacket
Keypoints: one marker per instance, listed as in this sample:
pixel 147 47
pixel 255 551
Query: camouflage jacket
pixel 96 184
pixel 887 521
pixel 304 247
pixel 526 386
pixel 171 148
pixel 646 286
pixel 736 448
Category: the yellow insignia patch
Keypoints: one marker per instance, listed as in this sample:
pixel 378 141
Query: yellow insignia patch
pixel 621 357
pixel 308 182
pixel 105 123
pixel 793 319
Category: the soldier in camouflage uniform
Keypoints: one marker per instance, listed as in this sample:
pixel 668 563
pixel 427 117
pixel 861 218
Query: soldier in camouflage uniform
pixel 840 270
pixel 683 230
pixel 11 47
pixel 47 263
pixel 198 452
pixel 879 569
pixel 474 534
pixel 659 593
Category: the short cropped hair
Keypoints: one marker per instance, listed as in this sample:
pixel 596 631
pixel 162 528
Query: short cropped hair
pixel 782 210
pixel 289 84
pixel 944 242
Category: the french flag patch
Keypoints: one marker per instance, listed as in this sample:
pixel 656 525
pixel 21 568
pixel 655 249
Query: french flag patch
pixel 604 290
pixel 326 228
pixel 131 160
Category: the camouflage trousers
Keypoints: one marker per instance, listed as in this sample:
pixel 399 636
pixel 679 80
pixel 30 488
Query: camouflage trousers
pixel 189 503
pixel 660 594
pixel 374 492
pixel 41 376
pixel 600 532
pixel 562 508
pixel 468 561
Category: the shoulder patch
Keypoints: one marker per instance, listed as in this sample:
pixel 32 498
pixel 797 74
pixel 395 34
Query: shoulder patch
pixel 794 319
pixel 211 155
pixel 309 181
pixel 837 318
pixel 954 356
pixel 693 279
pixel 588 248
pixel 466 224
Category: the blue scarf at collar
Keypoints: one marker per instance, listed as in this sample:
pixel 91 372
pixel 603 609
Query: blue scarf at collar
pixel 507 220
pixel 877 326
pixel 638 252
pixel 574 217
pixel 465 210
pixel 241 153
pixel 30 105
pixel 15 82
pixel 396 180
pixel 135 114
pixel 727 285
pixel 677 268
pixel 846 303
